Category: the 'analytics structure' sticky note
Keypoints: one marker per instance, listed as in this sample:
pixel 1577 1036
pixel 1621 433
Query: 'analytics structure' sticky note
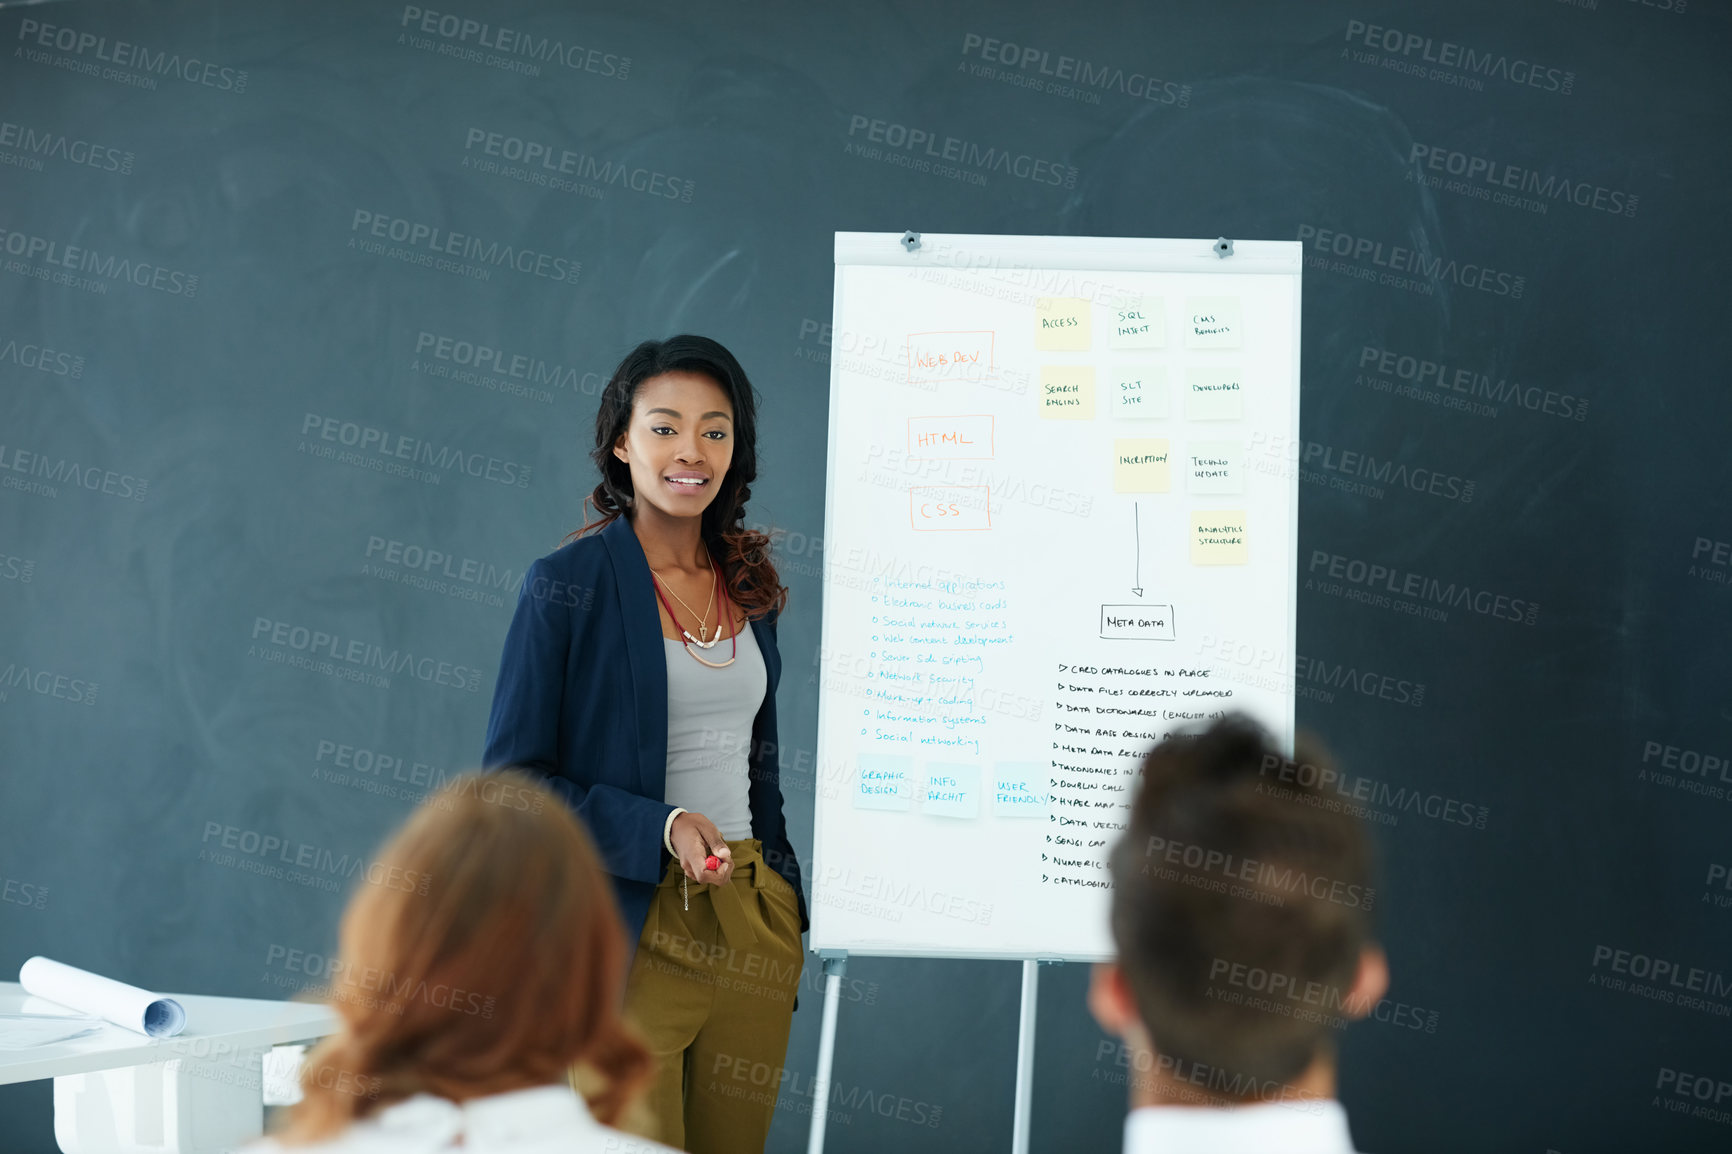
pixel 1218 537
pixel 1061 323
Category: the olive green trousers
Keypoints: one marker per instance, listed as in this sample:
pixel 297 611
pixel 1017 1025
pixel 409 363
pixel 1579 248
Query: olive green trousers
pixel 712 994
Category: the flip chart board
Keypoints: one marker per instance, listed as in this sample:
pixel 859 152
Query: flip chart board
pixel 1051 539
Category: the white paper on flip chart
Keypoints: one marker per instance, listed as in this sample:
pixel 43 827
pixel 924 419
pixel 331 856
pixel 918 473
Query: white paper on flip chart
pixel 117 1002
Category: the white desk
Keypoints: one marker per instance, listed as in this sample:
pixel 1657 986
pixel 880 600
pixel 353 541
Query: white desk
pixel 118 1092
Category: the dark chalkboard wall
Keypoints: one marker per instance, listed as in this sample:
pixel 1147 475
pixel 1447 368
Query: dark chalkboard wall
pixel 303 309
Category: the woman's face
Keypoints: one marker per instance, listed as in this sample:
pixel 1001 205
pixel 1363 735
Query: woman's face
pixel 679 442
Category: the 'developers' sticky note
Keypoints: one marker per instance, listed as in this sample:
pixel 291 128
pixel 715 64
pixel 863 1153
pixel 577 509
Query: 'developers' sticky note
pixel 1212 323
pixel 1218 537
pixel 1140 324
pixel 1019 789
pixel 1214 467
pixel 1213 395
pixel 1061 323
pixel 1139 393
pixel 1140 465
pixel 1067 392
pixel 884 781
pixel 952 790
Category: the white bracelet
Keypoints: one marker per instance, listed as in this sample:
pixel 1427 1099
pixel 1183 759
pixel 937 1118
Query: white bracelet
pixel 668 831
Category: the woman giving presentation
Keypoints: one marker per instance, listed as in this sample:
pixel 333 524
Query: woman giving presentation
pixel 639 678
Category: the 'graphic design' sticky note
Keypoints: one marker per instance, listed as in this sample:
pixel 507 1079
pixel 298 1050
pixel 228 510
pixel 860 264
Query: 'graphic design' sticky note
pixel 1213 394
pixel 1139 325
pixel 952 790
pixel 1061 323
pixel 884 781
pixel 1214 466
pixel 1212 323
pixel 1139 393
pixel 1218 537
pixel 1067 392
pixel 1019 789
pixel 1140 465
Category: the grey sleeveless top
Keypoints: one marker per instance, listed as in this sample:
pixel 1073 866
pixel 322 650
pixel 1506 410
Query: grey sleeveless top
pixel 710 715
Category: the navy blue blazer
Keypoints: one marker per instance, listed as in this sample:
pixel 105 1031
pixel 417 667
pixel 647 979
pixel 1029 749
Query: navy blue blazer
pixel 582 702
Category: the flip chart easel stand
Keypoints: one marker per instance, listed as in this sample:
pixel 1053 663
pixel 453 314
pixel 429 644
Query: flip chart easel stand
pixel 836 966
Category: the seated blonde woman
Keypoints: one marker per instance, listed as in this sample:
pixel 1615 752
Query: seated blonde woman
pixel 481 960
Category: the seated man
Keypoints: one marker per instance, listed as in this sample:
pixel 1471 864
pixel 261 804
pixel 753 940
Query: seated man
pixel 1241 914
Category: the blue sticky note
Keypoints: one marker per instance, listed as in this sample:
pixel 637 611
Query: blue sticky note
pixel 952 790
pixel 1019 788
pixel 884 781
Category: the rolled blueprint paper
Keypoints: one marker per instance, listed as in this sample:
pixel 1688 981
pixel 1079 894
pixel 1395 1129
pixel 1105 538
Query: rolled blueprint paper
pixel 89 993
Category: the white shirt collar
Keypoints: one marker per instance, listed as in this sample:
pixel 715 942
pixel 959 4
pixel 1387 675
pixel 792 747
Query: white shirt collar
pixel 1299 1127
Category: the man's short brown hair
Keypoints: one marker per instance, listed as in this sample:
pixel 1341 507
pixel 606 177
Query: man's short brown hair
pixel 1241 903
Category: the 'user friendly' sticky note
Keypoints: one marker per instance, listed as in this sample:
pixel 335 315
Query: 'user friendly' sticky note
pixel 1019 788
pixel 1212 323
pixel 1139 324
pixel 1139 393
pixel 1218 537
pixel 1067 392
pixel 1214 466
pixel 952 790
pixel 884 781
pixel 1061 323
pixel 1213 394
pixel 1140 465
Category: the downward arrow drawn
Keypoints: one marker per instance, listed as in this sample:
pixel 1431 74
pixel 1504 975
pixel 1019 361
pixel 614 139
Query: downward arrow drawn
pixel 1137 530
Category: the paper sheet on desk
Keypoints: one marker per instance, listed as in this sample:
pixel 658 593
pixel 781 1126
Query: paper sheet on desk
pixel 25 1031
pixel 88 993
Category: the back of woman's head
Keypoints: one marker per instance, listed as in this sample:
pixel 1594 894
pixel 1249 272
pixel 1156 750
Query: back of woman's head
pixel 483 953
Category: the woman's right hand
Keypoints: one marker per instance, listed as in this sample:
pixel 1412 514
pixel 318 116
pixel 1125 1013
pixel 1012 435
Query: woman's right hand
pixel 696 837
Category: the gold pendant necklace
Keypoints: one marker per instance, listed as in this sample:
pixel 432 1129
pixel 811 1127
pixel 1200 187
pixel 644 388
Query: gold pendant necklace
pixel 703 639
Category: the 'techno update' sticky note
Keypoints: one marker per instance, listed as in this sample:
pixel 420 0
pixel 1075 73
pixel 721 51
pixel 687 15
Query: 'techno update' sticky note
pixel 1067 392
pixel 1061 323
pixel 1218 537
pixel 1141 465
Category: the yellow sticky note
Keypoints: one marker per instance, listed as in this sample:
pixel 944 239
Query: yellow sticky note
pixel 1067 392
pixel 1061 323
pixel 1218 537
pixel 1140 465
pixel 1139 324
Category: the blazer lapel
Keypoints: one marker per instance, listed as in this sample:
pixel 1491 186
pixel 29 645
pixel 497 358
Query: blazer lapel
pixel 636 602
pixel 772 658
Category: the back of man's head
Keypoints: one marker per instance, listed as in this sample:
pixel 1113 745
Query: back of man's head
pixel 1241 907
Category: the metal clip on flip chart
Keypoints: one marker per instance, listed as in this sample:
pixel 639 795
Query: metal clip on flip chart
pixel 911 240
pixel 1223 248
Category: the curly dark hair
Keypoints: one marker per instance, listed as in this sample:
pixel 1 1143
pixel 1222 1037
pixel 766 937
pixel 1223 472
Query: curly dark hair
pixel 744 554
